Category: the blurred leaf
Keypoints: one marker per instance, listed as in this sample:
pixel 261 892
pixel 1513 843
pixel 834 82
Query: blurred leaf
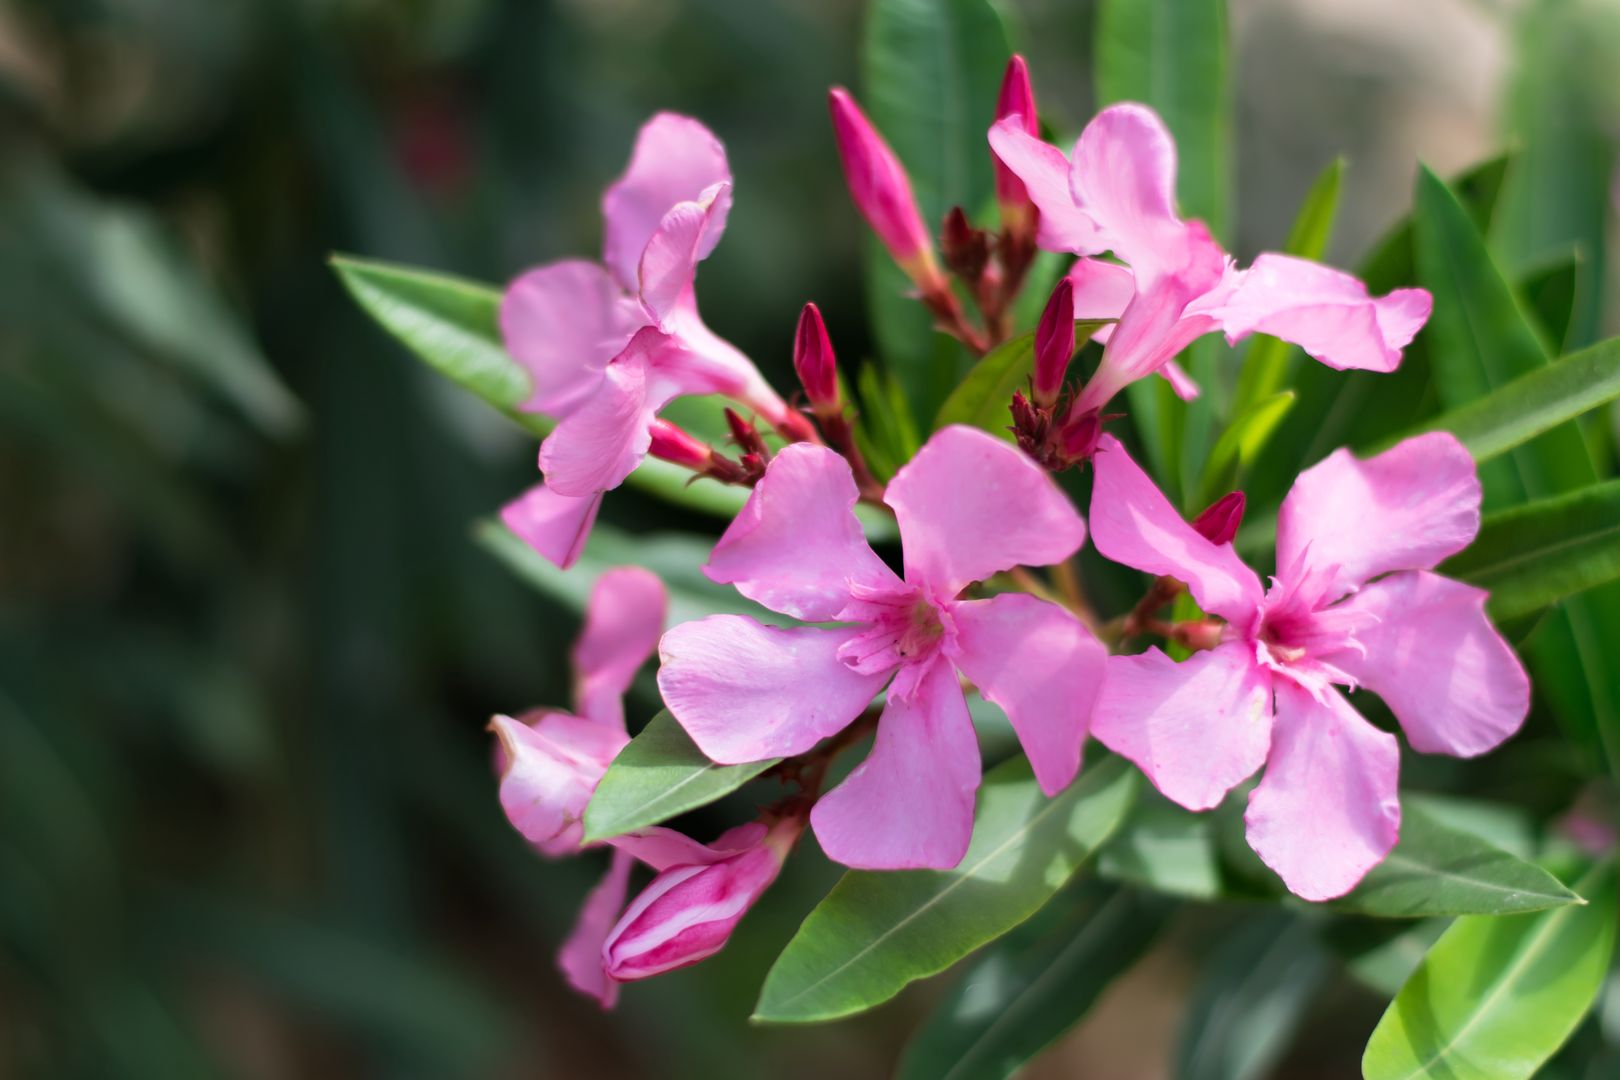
pixel 1166 849
pixel 659 774
pixel 1550 291
pixel 887 432
pixel 1496 996
pixel 1380 954
pixel 983 399
pixel 1030 987
pixel 1241 444
pixel 1534 555
pixel 1253 995
pixel 876 932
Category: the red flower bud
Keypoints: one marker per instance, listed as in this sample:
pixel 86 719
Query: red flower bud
pixel 670 443
pixel 881 190
pixel 1220 521
pixel 813 359
pixel 1054 343
pixel 1017 99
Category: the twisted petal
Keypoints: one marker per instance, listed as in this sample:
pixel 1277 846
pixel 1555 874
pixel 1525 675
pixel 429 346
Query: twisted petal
pixel 675 160
pixel 909 805
pixel 1124 178
pixel 1042 666
pixel 563 323
pixel 1325 812
pixel 580 957
pixel 1045 174
pixel 1431 653
pixel 623 620
pixel 746 692
pixel 600 443
pixel 550 764
pixel 970 505
pixel 554 525
pixel 1405 509
pixel 796 546
pixel 1133 523
pixel 668 266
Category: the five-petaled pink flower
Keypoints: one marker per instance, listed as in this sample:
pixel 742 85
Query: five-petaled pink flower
pixel 607 346
pixel 1354 603
pixel 1118 195
pixel 968 506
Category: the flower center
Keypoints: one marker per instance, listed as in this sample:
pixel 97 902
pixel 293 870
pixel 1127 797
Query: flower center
pixel 903 628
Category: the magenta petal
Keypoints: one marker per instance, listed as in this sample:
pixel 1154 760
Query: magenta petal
pixel 623 622
pixel 1124 177
pixel 1326 811
pixel 580 957
pixel 1197 729
pixel 600 443
pixel 1042 666
pixel 554 525
pixel 563 323
pixel 796 545
pixel 1133 523
pixel 970 505
pixel 746 692
pixel 669 264
pixel 1432 654
pixel 1405 509
pixel 1045 175
pixel 909 805
pixel 1324 311
pixel 662 848
pixel 675 160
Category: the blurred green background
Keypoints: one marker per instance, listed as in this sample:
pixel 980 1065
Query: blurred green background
pixel 247 646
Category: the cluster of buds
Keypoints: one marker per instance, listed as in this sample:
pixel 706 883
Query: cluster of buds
pixel 1047 426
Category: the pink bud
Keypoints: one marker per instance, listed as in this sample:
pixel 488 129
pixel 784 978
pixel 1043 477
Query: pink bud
pixel 688 912
pixel 881 190
pixel 813 359
pixel 1017 99
pixel 1220 521
pixel 670 443
pixel 1054 343
pixel 550 763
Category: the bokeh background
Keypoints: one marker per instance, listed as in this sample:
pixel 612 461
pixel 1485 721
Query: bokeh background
pixel 247 644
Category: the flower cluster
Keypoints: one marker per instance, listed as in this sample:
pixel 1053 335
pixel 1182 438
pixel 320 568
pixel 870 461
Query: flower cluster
pixel 893 651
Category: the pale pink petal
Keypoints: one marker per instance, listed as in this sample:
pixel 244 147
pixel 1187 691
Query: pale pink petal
pixel 1326 811
pixel 1124 178
pixel 1133 523
pixel 1431 653
pixel 554 525
pixel 669 264
pixel 662 848
pixel 1324 311
pixel 1405 509
pixel 1179 381
pixel 1045 173
pixel 563 323
pixel 1102 289
pixel 600 443
pixel 909 805
pixel 550 764
pixel 623 622
pixel 580 957
pixel 1197 729
pixel 1042 666
pixel 702 362
pixel 796 545
pixel 675 160
pixel 970 505
pixel 746 692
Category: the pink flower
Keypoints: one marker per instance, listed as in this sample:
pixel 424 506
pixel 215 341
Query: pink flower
pixel 607 346
pixel 882 191
pixel 1118 194
pixel 689 910
pixel 550 761
pixel 968 506
pixel 1354 604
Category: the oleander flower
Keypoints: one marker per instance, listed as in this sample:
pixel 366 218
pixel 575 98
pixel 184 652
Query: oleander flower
pixel 1355 603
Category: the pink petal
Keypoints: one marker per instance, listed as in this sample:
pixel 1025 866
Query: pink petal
pixel 623 622
pixel 970 505
pixel 1102 290
pixel 1124 177
pixel 1405 509
pixel 563 323
pixel 796 546
pixel 580 957
pixel 1432 654
pixel 909 805
pixel 746 692
pixel 699 361
pixel 1042 666
pixel 600 443
pixel 669 264
pixel 1325 812
pixel 1045 173
pixel 1324 311
pixel 674 161
pixel 1133 523
pixel 662 848
pixel 550 766
pixel 1197 729
pixel 554 525
pixel 1179 381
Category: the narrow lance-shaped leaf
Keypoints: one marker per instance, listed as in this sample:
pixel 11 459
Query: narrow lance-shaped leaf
pixel 659 774
pixel 1241 444
pixel 876 932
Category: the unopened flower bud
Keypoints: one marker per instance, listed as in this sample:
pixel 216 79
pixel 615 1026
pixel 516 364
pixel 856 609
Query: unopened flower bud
pixel 966 249
pixel 1220 521
pixel 550 763
pixel 1054 343
pixel 882 191
pixel 670 443
pixel 1017 99
pixel 813 359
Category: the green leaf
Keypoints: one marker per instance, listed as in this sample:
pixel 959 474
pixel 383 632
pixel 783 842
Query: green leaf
pixel 1166 849
pixel 659 774
pixel 1551 290
pixel 1534 555
pixel 1240 445
pixel 1027 989
pixel 1496 996
pixel 983 399
pixel 876 932
pixel 1438 870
